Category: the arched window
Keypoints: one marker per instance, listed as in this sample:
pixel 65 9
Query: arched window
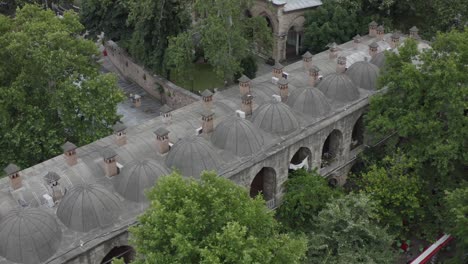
pixel 357 137
pixel 127 253
pixel 265 183
pixel 301 159
pixel 331 149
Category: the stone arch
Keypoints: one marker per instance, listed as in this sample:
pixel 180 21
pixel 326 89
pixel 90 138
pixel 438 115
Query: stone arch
pixel 264 183
pixel 357 135
pixel 301 154
pixel 332 148
pixel 263 10
pixel 294 38
pixel 127 253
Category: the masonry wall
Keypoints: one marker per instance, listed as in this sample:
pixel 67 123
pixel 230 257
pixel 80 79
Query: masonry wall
pixel 160 88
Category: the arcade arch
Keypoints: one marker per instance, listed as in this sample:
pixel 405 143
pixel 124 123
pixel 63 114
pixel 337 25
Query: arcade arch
pixel 127 253
pixel 332 148
pixel 357 136
pixel 265 183
pixel 301 159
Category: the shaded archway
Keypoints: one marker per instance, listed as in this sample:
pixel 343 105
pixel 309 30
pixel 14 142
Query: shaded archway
pixel 357 136
pixel 301 159
pixel 331 149
pixel 264 183
pixel 293 43
pixel 127 253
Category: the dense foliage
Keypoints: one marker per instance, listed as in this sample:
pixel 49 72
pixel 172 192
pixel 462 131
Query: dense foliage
pixel 51 89
pixel 210 221
pixel 457 218
pixel 306 195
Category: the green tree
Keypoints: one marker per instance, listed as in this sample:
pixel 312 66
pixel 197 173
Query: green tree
pixel 395 186
pixel 51 89
pixel 306 195
pixel 153 23
pixel 225 34
pixel 335 21
pixel 210 221
pixel 425 104
pixel 457 218
pixel 346 231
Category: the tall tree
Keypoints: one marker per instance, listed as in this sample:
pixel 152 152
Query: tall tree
pixel 210 221
pixel 457 219
pixel 307 193
pixel 51 89
pixel 225 34
pixel 153 22
pixel 346 231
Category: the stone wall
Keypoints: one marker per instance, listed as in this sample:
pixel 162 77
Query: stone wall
pixel 162 89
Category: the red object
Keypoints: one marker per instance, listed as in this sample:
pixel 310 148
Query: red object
pixel 404 246
pixel 104 52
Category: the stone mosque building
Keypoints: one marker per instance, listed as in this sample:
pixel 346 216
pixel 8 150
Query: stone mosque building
pixel 77 207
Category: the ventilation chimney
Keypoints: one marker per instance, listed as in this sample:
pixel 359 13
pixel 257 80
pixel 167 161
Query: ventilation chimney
pixel 165 112
pixel 307 60
pixel 313 75
pixel 356 41
pixel 120 133
pixel 380 32
pixel 414 32
pixel 52 181
pixel 373 29
pixel 284 91
pixel 278 70
pixel 395 40
pixel 207 118
pixel 341 64
pixel 277 98
pixel 373 49
pixel 69 150
pixel 247 104
pixel 136 100
pixel 110 162
pixel 207 98
pixel 12 171
pixel 333 51
pixel 244 85
pixel 162 140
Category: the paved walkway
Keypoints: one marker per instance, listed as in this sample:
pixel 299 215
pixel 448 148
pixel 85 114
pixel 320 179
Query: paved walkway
pixel 132 116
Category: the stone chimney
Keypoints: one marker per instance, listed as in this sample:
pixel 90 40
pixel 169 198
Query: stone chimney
pixel 244 85
pixel 165 112
pixel 414 32
pixel 207 118
pixel 395 40
pixel 333 51
pixel 380 32
pixel 373 29
pixel 69 150
pixel 12 171
pixel 162 140
pixel 356 41
pixel 373 49
pixel 247 104
pixel 207 98
pixel 278 70
pixel 120 133
pixel 341 64
pixel 136 100
pixel 110 162
pixel 284 90
pixel 313 75
pixel 307 60
pixel 52 181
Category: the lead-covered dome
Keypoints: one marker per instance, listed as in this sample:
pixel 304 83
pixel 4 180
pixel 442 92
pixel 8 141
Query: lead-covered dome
pixel 339 88
pixel 379 60
pixel 6 204
pixel 237 135
pixel 275 117
pixel 29 236
pixel 309 101
pixel 364 74
pixel 136 177
pixel 88 206
pixel 192 155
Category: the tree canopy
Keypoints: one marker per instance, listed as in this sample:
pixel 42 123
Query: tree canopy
pixel 456 217
pixel 51 89
pixel 210 221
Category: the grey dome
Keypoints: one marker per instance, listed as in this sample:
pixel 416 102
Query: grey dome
pixel 338 87
pixel 136 177
pixel 364 74
pixel 6 204
pixel 88 206
pixel 310 101
pixel 275 117
pixel 192 155
pixel 379 60
pixel 29 236
pixel 237 135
